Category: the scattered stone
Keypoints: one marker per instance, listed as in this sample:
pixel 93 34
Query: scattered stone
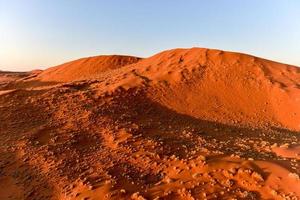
pixel 123 191
pixel 294 176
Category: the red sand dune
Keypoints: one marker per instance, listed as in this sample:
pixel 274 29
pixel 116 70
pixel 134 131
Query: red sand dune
pixel 182 124
pixel 86 68
pixel 227 87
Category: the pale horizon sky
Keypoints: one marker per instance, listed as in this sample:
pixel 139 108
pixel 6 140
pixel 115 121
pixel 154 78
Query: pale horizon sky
pixel 44 33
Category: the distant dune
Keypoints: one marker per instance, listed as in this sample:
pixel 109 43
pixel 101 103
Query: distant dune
pixel 86 68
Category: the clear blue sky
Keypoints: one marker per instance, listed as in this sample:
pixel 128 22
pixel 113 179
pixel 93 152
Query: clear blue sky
pixel 43 33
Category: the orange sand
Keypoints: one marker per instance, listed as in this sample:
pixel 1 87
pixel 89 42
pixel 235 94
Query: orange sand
pixel 182 124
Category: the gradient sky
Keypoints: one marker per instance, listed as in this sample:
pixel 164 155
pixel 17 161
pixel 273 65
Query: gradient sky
pixel 43 33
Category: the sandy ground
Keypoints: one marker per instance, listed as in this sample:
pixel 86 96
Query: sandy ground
pixel 183 124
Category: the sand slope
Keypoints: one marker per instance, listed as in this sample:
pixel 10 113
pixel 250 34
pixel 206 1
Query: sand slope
pixel 182 124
